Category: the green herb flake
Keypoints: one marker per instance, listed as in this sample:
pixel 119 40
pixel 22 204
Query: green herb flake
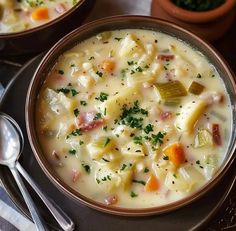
pixel 61 72
pixel 97 116
pixel 107 141
pixel 148 128
pixel 74 92
pixel 83 103
pixel 158 138
pixel 72 151
pixel 146 170
pixel 102 97
pixel 133 194
pixel 63 90
pixel 86 168
pixel 165 158
pixel 123 167
pixel 199 76
pixel 118 39
pixel 76 112
pixel 139 182
pixel 137 140
pixel 99 73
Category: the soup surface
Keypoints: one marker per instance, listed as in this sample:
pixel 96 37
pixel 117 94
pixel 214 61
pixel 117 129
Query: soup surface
pixel 20 15
pixel 134 118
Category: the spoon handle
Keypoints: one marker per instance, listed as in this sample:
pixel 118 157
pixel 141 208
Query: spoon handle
pixel 40 226
pixel 61 217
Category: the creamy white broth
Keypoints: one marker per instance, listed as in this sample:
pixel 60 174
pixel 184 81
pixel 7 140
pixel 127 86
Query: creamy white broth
pixel 112 134
pixel 20 15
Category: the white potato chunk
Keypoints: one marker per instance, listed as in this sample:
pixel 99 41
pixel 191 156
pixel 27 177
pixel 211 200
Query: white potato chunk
pixel 129 46
pixel 189 115
pixel 113 105
pixel 100 146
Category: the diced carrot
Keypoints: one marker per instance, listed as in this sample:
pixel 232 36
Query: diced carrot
pixel 175 153
pixel 152 184
pixel 108 65
pixel 40 13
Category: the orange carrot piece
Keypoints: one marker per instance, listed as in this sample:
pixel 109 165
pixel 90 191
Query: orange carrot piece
pixel 152 184
pixel 108 65
pixel 40 13
pixel 175 153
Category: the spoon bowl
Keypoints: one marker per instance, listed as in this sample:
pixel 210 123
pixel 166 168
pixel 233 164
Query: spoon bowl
pixel 11 146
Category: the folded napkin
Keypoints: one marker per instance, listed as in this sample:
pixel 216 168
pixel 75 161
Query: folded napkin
pixel 10 217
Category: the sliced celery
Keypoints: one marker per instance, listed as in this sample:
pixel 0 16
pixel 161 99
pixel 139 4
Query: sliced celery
pixel 203 138
pixel 171 90
pixel 196 88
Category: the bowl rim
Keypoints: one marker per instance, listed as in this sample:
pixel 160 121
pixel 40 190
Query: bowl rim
pixel 44 25
pixel 197 16
pixel 51 174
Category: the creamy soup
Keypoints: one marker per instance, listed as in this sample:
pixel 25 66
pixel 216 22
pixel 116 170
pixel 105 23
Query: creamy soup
pixel 134 118
pixel 20 15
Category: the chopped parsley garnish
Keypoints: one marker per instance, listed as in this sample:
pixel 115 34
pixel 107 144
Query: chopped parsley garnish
pixel 86 168
pixel 158 138
pixel 74 92
pixel 146 170
pixel 137 140
pixel 199 76
pixel 107 142
pixel 61 72
pixel 133 194
pixel 63 90
pixel 128 116
pixel 123 167
pixel 102 97
pixel 118 39
pixel 98 181
pixel 92 57
pixel 198 162
pixel 76 132
pixel 72 65
pixel 97 116
pixel 81 142
pixel 148 128
pixel 131 63
pixel 83 103
pixel 99 73
pixel 105 160
pixel 165 158
pixel 72 151
pixel 139 69
pixel 105 128
pixel 139 182
pixel 76 112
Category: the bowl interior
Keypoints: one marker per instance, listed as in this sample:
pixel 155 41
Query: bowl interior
pixel 114 23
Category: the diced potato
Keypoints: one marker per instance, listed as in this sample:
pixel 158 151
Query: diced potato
pixel 126 179
pixel 189 115
pixel 86 81
pixel 139 78
pixel 113 105
pixel 130 46
pixel 210 165
pixel 132 149
pixel 123 131
pixel 100 146
pixel 58 102
pixel 184 180
pixel 107 179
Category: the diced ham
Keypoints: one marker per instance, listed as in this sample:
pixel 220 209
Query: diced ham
pixel 165 115
pixel 55 155
pixel 86 121
pixel 60 8
pixel 165 57
pixel 75 175
pixel 111 200
pixel 216 134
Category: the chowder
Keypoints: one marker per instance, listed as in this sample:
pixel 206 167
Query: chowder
pixel 21 15
pixel 134 118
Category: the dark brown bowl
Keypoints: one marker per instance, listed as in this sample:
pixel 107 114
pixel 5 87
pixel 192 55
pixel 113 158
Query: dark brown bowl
pixel 112 23
pixel 44 36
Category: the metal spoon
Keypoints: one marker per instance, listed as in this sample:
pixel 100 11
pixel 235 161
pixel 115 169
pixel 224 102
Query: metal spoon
pixel 11 146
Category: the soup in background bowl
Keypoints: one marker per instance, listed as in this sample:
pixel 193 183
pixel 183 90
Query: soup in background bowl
pixel 31 26
pixel 132 116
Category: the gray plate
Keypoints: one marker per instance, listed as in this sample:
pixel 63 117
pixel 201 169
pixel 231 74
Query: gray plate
pixel 191 217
